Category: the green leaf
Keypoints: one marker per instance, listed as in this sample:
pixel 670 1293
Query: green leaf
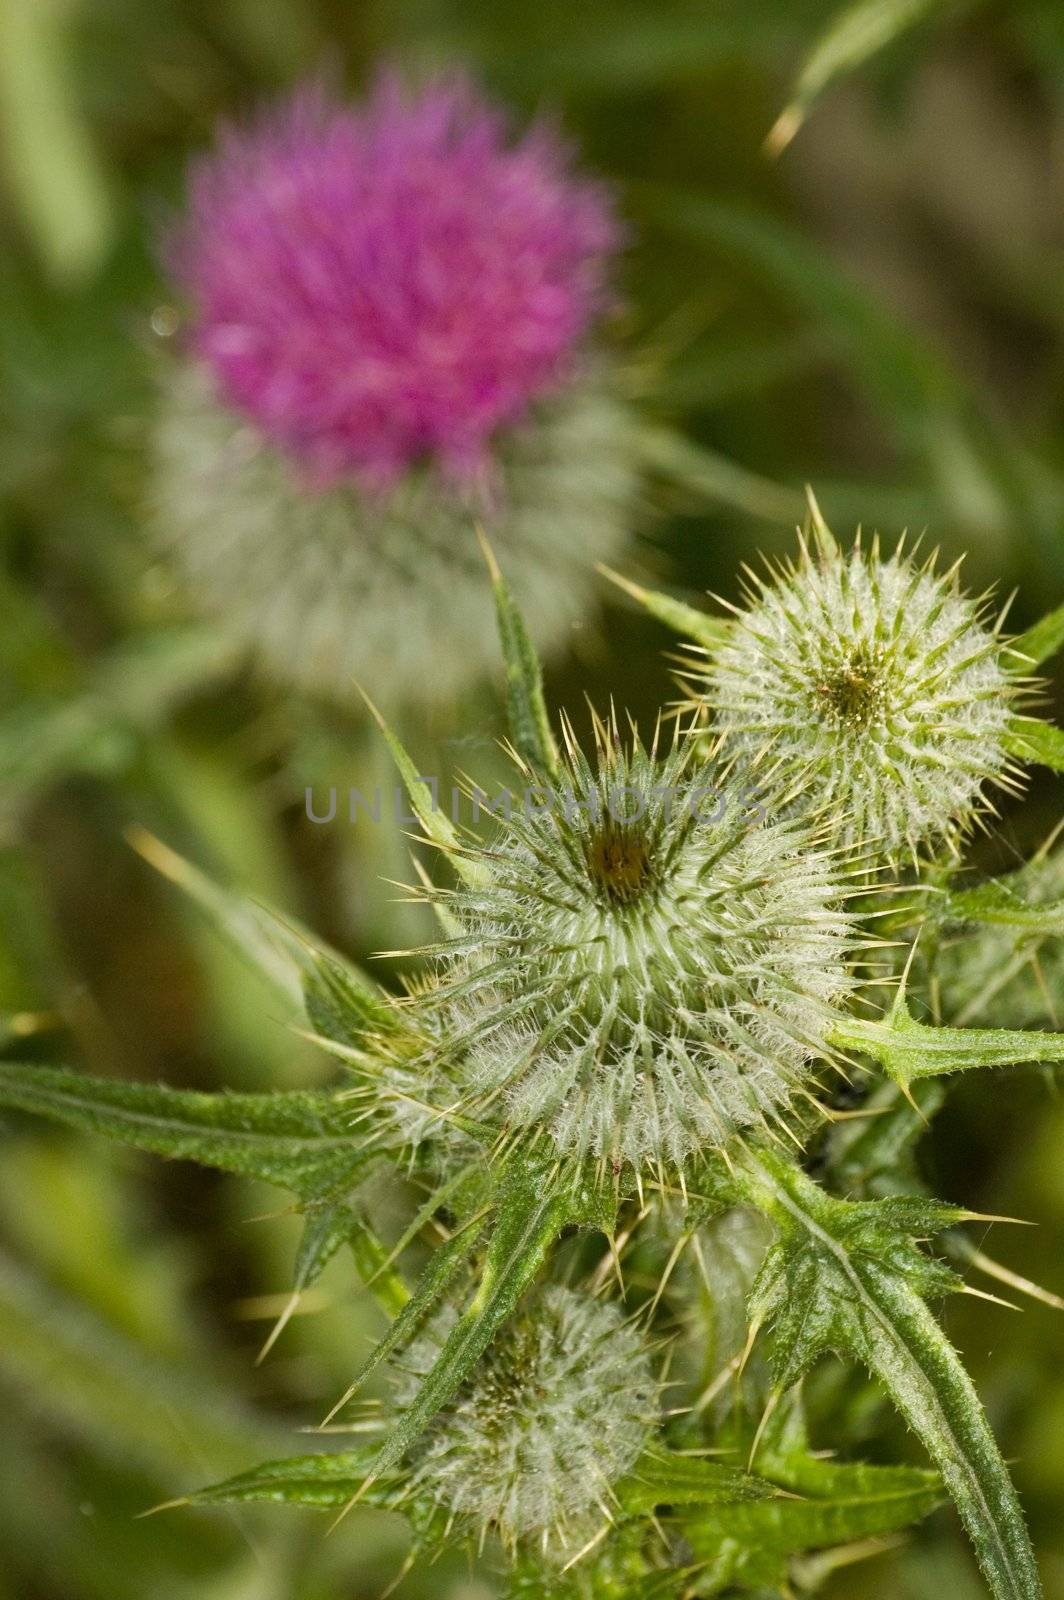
pixel 877 1156
pixel 663 1478
pixel 751 1544
pixel 328 1481
pixel 299 1140
pixel 58 177
pixel 847 1276
pixel 713 477
pixel 693 624
pixel 531 1214
pixel 1042 640
pixel 443 1266
pixel 435 822
pixel 1031 739
pixel 908 1050
pixel 526 708
pixel 166 1415
pixel 850 39
pixel 1003 902
pixel 340 1001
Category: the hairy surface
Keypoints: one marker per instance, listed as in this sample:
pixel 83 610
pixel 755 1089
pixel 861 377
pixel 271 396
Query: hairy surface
pixel 649 968
pixel 868 689
pixel 557 1409
pixel 329 585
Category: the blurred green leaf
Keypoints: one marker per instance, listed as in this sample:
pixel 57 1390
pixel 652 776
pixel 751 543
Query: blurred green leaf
pixel 108 1388
pixel 850 39
pixel 53 165
pixel 126 693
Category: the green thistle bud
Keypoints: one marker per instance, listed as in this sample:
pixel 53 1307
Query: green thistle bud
pixel 558 1408
pixel 648 968
pixel 870 688
pixel 323 582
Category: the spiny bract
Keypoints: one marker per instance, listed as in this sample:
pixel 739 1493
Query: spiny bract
pixel 323 584
pixel 558 1408
pixel 868 688
pixel 649 966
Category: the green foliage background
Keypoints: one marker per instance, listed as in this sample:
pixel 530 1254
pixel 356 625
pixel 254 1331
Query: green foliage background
pixel 878 310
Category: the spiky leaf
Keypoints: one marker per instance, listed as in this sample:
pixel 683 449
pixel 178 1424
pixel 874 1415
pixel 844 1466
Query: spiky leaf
pixel 1042 640
pixel 848 1277
pixel 299 1140
pixel 1031 739
pixel 676 614
pixel 908 1050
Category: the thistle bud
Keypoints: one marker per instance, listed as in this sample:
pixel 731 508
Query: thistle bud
pixel 869 689
pixel 558 1408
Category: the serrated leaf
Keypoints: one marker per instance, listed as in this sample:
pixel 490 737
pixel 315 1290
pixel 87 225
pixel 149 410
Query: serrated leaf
pixel 531 1215
pixel 526 709
pixel 676 614
pixel 1041 640
pixel 908 1050
pixel 847 1276
pixel 751 1544
pixel 663 1478
pixel 1031 739
pixel 851 38
pixel 328 1481
pixel 298 1140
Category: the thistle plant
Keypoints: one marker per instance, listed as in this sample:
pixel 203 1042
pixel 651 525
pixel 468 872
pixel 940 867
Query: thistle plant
pixel 627 1034
pixel 391 312
pixel 867 688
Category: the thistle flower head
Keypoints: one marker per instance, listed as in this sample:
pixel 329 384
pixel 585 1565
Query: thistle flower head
pixel 389 311
pixel 870 687
pixel 557 1409
pixel 371 286
pixel 647 969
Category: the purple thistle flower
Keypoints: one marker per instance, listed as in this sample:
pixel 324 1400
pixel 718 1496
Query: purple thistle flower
pixel 380 285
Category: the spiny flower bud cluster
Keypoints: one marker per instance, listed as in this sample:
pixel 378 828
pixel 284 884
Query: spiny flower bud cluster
pixel 558 1408
pixel 868 688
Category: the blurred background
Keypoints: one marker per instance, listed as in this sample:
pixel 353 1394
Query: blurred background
pixel 870 301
